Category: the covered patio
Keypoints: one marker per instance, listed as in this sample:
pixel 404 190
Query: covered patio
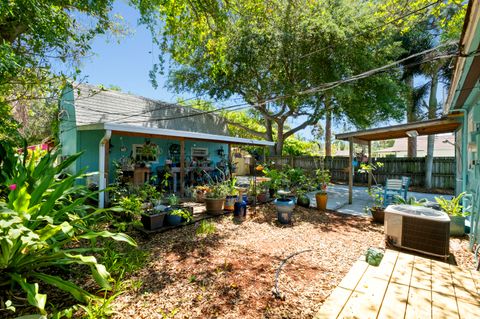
pixel 214 152
pixel 365 137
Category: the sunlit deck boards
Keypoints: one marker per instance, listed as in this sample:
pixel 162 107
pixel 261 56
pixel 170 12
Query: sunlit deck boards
pixel 405 286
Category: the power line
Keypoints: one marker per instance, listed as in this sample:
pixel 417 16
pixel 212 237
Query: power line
pixel 329 85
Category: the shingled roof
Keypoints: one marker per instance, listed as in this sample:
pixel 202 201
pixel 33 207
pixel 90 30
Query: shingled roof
pixel 95 105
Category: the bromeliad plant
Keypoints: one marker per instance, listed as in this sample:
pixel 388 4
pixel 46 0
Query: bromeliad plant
pixel 41 217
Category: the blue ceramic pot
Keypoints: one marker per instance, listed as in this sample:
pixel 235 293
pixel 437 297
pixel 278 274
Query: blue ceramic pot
pixel 285 208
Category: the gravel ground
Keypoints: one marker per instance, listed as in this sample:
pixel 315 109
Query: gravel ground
pixel 231 273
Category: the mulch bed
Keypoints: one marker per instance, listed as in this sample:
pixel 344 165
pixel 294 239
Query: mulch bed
pixel 231 273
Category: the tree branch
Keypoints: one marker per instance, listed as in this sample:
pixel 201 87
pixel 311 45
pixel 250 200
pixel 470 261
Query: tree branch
pixel 249 130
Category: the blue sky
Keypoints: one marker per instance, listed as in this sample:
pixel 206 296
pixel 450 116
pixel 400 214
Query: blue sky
pixel 125 62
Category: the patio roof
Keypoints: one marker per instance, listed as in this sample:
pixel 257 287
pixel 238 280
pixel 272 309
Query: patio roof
pixel 135 130
pixel 428 127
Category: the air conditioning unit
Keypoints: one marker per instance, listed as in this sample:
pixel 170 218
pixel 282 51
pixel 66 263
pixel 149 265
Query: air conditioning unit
pixel 418 228
pixel 199 152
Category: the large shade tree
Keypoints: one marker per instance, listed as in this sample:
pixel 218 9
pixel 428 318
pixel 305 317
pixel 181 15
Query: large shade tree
pixel 272 53
pixel 41 43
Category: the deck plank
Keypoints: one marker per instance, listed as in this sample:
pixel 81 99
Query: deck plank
pixel 444 303
pixel 476 278
pixel 465 287
pixel 340 295
pixel 395 300
pixel 367 298
pixel 420 293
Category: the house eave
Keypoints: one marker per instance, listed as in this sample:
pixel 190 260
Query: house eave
pixel 169 133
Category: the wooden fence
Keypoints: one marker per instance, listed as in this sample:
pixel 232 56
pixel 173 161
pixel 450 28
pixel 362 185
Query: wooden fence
pixel 443 174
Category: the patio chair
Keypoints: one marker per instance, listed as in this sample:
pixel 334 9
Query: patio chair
pixel 393 187
pixel 405 185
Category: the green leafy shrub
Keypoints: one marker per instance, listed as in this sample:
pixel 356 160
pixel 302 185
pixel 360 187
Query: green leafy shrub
pixel 42 219
pixel 186 215
pixel 452 207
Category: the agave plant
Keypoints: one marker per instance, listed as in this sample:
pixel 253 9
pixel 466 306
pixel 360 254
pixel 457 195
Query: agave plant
pixel 41 215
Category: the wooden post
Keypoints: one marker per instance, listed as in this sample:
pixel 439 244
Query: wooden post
pixel 350 171
pixel 230 163
pixel 182 167
pixel 370 163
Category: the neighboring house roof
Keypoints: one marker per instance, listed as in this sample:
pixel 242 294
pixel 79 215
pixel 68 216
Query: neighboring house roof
pixel 400 146
pixel 445 149
pixel 95 105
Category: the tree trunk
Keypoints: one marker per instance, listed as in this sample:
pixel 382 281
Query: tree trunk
pixel 411 117
pixel 328 132
pixel 269 133
pixel 432 110
pixel 279 144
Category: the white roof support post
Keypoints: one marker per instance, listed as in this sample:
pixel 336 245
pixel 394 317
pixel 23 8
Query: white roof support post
pixel 102 176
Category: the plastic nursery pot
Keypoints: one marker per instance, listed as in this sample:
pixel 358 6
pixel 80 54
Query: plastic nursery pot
pixel 457 225
pixel 152 222
pixel 214 206
pixel 173 220
pixel 303 201
pixel 321 199
pixel 240 209
pixel 230 202
pixel 285 208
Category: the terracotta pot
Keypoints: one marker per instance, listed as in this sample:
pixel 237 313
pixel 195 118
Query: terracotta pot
pixel 321 199
pixel 214 205
pixel 378 214
pixel 262 197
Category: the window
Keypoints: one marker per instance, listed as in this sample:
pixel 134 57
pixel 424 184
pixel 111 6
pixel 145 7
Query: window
pixel 146 152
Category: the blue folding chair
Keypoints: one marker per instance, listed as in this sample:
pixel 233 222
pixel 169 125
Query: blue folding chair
pixel 393 187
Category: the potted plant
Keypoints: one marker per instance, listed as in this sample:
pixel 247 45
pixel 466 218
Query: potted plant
pixel 131 207
pixel 232 194
pixel 285 206
pixel 260 192
pixel 322 178
pixel 275 181
pixel 153 219
pixel 455 211
pixel 302 198
pixel 377 209
pixel 199 193
pixel 215 198
pixel 175 217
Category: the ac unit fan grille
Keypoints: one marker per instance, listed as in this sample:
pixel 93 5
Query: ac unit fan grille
pixel 426 235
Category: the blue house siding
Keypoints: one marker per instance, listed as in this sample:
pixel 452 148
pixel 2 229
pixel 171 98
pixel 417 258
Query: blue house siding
pixel 68 127
pixel 128 141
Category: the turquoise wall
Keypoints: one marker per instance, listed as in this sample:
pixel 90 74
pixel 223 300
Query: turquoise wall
pixel 117 141
pixel 472 183
pixel 67 128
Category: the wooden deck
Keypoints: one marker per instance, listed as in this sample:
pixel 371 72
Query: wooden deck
pixel 405 286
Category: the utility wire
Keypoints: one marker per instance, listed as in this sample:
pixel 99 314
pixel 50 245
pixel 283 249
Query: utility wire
pixel 329 85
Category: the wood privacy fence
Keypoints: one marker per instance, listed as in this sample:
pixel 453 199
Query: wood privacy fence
pixel 443 174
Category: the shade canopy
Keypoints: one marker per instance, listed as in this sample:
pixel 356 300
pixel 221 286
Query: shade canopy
pixel 428 127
